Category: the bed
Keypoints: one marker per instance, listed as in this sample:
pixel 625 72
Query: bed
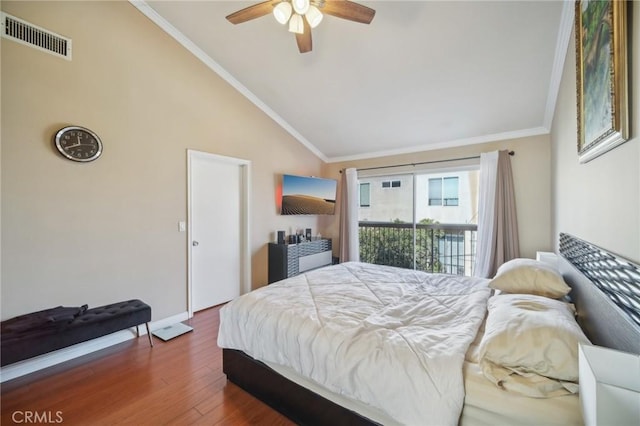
pixel 306 346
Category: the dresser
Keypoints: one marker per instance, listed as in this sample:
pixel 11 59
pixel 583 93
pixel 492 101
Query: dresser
pixel 289 260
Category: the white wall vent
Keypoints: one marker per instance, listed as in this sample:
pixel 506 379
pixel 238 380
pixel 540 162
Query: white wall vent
pixel 31 35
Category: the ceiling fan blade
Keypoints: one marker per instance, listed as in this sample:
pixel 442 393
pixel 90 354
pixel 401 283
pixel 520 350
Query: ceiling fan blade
pixel 348 10
pixel 252 12
pixel 304 39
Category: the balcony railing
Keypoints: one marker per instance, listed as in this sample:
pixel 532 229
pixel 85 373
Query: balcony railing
pixel 443 248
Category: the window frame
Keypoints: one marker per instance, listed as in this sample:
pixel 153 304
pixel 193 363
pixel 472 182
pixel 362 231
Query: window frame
pixel 444 201
pixel 389 184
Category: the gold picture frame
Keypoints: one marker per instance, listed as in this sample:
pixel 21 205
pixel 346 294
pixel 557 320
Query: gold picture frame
pixel 601 68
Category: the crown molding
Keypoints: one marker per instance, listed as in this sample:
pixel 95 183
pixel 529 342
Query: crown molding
pixel 516 134
pixel 562 46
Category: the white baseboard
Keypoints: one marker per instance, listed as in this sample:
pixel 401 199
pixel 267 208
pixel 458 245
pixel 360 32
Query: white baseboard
pixel 40 362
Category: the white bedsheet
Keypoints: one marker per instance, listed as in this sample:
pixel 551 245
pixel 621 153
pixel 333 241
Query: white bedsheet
pixel 485 404
pixel 391 338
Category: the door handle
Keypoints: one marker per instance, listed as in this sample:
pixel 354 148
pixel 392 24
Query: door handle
pixel 195 243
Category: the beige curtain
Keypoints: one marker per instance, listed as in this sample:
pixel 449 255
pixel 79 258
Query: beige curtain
pixel 498 239
pixel 349 244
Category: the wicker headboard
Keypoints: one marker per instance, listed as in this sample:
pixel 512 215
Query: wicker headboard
pixel 605 291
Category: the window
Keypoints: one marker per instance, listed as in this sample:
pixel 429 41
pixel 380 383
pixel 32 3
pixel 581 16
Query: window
pixel 451 253
pixel 391 184
pixel 443 191
pixel 365 195
pixel 435 192
pixel 450 191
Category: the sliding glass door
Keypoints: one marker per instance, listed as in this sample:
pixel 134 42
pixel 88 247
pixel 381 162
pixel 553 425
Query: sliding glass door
pixel 424 221
pixel 386 219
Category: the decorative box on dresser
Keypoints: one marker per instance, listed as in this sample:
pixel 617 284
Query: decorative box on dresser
pixel 289 260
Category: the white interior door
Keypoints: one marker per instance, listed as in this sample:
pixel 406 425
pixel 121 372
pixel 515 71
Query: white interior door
pixel 218 229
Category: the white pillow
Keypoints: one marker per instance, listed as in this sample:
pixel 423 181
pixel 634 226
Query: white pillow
pixel 530 345
pixel 529 276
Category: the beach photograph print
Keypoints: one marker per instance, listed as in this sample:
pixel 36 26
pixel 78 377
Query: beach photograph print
pixel 308 195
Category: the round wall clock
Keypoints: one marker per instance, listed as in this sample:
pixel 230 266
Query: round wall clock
pixel 78 144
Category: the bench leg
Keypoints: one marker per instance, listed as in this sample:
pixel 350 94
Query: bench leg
pixel 149 334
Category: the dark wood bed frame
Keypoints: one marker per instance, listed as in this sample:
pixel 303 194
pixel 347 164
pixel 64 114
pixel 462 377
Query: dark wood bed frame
pixel 294 401
pixel 605 291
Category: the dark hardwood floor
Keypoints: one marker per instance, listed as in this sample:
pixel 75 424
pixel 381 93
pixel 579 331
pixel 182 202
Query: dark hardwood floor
pixel 179 382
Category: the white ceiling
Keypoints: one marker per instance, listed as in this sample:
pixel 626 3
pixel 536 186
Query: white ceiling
pixel 423 75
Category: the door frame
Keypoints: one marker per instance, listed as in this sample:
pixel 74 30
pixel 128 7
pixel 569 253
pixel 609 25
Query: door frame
pixel 245 261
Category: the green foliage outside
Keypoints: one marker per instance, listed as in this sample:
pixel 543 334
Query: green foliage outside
pixel 393 246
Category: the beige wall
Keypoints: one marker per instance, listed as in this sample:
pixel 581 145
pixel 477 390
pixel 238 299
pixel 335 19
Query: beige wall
pixel 598 201
pixel 531 175
pixel 107 231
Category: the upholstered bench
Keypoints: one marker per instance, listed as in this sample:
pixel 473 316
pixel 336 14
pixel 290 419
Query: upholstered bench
pixel 40 332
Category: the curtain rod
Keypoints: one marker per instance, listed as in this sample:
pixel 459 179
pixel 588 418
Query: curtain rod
pixel 512 153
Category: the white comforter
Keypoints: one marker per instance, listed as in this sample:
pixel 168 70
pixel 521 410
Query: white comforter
pixel 392 338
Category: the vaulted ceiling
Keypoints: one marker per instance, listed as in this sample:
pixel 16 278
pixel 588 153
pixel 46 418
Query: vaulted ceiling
pixel 423 75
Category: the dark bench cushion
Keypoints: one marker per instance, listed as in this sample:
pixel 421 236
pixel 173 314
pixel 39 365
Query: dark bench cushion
pixel 40 332
pixel 53 317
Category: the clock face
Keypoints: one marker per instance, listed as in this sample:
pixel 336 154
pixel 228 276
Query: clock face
pixel 78 144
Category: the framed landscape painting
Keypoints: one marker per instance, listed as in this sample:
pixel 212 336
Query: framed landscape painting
pixel 602 90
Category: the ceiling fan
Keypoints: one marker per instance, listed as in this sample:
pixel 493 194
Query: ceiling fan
pixel 302 15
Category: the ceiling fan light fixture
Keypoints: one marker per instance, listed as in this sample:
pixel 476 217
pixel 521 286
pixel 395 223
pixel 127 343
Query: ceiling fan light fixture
pixel 303 15
pixel 300 6
pixel 295 24
pixel 314 16
pixel 282 12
